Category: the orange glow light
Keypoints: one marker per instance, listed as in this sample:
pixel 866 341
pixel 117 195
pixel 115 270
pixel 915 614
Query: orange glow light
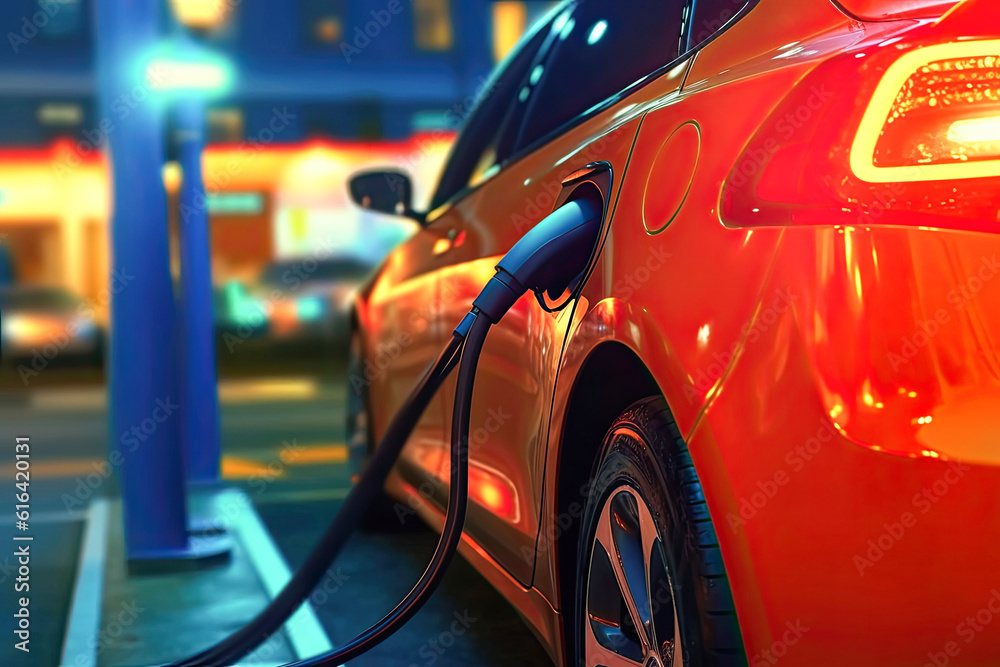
pixel 201 13
pixel 510 20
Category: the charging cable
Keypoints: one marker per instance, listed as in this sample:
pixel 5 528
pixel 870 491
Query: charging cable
pixel 549 258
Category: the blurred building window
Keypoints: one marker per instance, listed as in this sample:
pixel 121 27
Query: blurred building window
pixel 511 20
pixel 225 126
pixel 64 119
pixel 429 120
pixel 323 22
pixel 235 203
pixel 432 25
pixel 65 18
pixel 60 115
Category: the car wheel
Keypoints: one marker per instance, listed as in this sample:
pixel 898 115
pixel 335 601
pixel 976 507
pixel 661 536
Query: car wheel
pixel 653 590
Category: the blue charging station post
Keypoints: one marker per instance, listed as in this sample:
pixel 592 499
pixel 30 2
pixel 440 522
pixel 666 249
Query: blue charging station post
pixel 200 433
pixel 143 390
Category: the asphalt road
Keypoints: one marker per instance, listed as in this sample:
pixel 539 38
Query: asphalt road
pixel 283 444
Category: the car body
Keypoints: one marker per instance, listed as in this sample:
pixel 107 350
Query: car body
pixel 307 300
pixel 823 323
pixel 47 326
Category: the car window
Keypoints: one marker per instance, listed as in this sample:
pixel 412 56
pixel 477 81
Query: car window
pixel 602 48
pixel 476 151
pixel 710 16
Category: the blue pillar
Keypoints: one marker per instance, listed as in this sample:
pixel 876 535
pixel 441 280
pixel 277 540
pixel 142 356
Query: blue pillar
pixel 200 413
pixel 145 404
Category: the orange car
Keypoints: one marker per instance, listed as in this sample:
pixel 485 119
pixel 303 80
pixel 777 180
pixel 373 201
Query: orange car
pixel 767 428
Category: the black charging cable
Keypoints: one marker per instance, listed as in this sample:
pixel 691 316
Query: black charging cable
pixel 295 592
pixel 451 534
pixel 547 259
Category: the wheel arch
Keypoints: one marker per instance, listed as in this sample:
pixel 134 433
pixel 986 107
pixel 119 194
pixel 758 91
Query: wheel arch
pixel 611 378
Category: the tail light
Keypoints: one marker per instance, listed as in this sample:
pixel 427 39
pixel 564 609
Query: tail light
pixel 894 133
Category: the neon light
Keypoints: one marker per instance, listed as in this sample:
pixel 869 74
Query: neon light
pixel 873 122
pixel 975 131
pixel 170 75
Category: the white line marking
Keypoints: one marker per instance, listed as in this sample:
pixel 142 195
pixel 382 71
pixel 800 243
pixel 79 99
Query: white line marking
pixel 84 621
pixel 304 631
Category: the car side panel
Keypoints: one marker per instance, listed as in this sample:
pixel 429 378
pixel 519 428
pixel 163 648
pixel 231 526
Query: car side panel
pixel 876 552
pixel 516 372
pixel 401 336
pixel 674 284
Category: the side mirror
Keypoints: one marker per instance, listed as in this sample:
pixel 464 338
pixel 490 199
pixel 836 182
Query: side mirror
pixel 387 191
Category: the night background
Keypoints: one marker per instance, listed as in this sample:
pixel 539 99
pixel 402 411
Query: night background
pixel 289 98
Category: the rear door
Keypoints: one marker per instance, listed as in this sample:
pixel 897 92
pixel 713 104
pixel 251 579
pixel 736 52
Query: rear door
pixel 576 105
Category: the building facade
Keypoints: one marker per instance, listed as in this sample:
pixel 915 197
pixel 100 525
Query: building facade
pixel 311 80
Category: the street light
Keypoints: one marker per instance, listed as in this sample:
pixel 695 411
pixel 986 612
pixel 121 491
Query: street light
pixel 170 75
pixel 185 74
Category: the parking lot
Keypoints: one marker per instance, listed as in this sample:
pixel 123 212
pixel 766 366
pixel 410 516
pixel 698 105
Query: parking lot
pixel 283 445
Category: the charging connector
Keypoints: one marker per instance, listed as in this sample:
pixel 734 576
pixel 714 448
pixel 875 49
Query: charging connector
pixel 546 259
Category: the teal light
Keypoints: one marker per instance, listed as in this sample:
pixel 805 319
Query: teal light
pixel 235 203
pixel 567 29
pixel 244 309
pixel 167 75
pixel 536 74
pixel 179 65
pixel 560 21
pixel 597 32
pixel 310 309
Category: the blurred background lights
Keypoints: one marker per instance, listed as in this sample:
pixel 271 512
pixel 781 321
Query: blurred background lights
pixel 174 75
pixel 202 14
pixel 597 32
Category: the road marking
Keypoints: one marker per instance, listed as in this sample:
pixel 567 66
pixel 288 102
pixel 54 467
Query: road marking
pixel 304 631
pixel 335 453
pixel 240 468
pixel 266 390
pixel 61 468
pixel 87 398
pixel 261 390
pixel 263 462
pixel 55 516
pixel 83 624
pixel 271 463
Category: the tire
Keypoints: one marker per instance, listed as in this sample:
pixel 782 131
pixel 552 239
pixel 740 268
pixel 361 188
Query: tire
pixel 645 506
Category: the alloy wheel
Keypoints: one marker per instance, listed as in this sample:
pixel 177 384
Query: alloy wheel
pixel 630 612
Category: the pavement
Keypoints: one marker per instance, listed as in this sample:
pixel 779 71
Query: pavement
pixel 283 447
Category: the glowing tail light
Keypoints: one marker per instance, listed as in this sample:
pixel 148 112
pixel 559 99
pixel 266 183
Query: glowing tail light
pixel 891 134
pixel 936 108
